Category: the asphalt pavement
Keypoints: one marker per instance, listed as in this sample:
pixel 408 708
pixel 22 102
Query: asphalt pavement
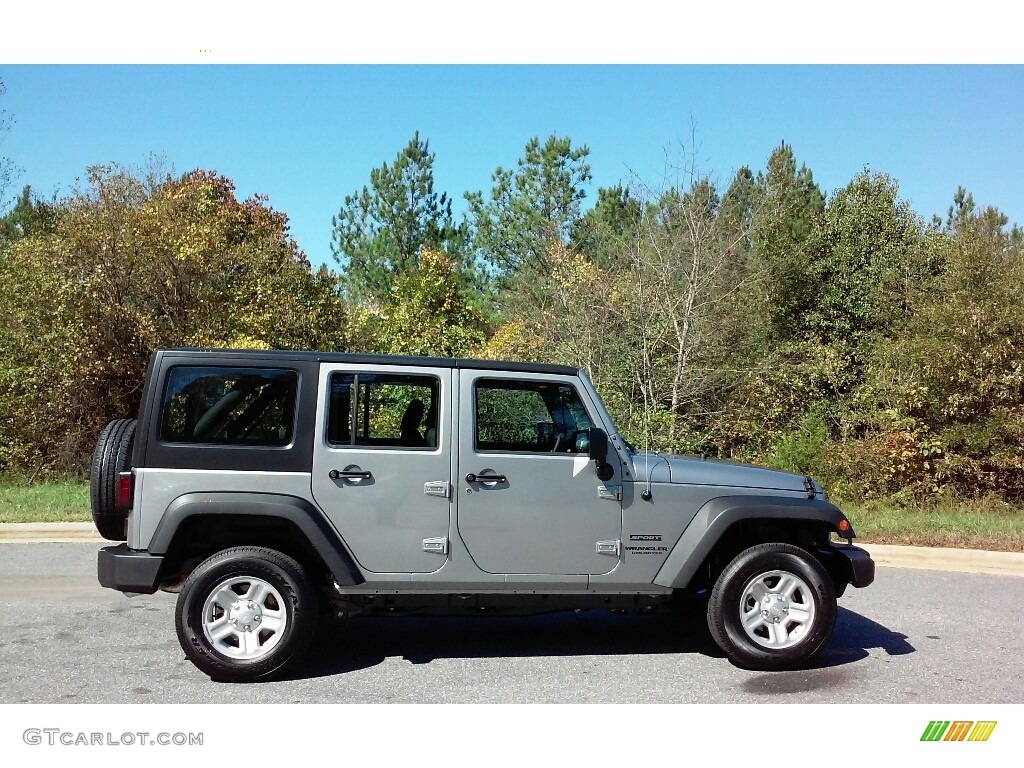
pixel 921 636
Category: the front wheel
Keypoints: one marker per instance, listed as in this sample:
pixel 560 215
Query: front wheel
pixel 245 614
pixel 772 608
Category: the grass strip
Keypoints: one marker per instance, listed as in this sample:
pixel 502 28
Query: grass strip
pixel 65 501
pixel 999 529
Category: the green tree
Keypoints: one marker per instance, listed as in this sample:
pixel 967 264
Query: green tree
pixel 379 231
pixel 738 205
pixel 530 206
pixel 29 216
pixel 838 284
pixel 990 222
pixel 786 205
pixel 870 258
pixel 951 381
pixel 604 232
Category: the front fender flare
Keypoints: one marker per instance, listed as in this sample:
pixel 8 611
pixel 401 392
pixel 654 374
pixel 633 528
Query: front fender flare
pixel 717 515
pixel 305 516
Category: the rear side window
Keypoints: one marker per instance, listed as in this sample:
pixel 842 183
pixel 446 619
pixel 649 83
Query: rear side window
pixel 383 410
pixel 229 406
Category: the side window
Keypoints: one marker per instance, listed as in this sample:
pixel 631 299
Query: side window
pixel 383 410
pixel 229 406
pixel 535 417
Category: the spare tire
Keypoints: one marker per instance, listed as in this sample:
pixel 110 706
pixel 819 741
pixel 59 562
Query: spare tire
pixel 113 455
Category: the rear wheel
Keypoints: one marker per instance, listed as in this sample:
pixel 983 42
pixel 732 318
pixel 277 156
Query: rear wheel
pixel 113 455
pixel 246 614
pixel 772 608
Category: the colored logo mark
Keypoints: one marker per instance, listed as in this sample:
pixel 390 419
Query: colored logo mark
pixel 958 730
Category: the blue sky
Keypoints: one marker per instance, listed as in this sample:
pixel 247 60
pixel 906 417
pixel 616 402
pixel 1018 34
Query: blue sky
pixel 308 135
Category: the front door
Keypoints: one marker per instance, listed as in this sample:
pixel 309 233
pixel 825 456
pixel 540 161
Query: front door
pixel 382 463
pixel 528 496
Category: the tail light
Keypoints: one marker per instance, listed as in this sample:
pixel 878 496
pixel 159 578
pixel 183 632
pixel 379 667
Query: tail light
pixel 125 489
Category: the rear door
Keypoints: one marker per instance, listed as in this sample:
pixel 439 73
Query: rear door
pixel 529 500
pixel 382 463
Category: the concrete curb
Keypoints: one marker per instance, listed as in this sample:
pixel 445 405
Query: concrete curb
pixel 885 555
pixel 947 559
pixel 49 533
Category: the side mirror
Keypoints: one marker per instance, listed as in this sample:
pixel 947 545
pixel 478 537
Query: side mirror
pixel 598 451
pixel 598 444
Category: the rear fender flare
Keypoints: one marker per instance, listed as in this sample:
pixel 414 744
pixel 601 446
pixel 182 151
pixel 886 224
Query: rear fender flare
pixel 304 515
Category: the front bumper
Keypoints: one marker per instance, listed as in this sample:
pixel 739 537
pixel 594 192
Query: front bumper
pixel 128 570
pixel 854 564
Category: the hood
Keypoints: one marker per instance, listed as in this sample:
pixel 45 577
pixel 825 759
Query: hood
pixel 693 470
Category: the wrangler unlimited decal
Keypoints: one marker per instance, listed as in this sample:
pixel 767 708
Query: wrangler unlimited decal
pixel 647 550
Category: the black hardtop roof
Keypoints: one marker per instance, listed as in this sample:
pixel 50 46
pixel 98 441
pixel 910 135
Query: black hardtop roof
pixel 285 355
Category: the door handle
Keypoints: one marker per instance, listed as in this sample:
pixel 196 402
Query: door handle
pixel 471 478
pixel 349 474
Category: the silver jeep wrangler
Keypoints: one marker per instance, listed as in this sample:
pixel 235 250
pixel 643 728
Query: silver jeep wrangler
pixel 268 488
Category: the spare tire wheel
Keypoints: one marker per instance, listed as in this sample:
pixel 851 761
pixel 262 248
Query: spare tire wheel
pixel 113 455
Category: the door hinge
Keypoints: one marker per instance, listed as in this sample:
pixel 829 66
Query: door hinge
pixel 608 547
pixel 437 488
pixel 609 492
pixel 437 545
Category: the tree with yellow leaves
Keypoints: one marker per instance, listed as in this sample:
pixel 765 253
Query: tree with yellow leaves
pixel 134 262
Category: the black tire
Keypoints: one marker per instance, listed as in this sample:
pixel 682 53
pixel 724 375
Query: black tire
pixel 728 596
pixel 280 571
pixel 113 455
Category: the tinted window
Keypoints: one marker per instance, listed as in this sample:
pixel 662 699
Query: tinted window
pixel 229 406
pixel 528 416
pixel 376 409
